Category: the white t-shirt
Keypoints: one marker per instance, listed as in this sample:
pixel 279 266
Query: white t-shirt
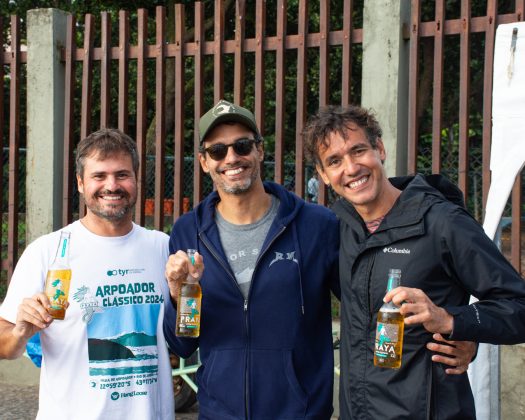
pixel 108 358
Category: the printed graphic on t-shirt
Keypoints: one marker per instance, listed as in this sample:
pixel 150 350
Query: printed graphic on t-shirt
pixel 244 276
pixel 122 324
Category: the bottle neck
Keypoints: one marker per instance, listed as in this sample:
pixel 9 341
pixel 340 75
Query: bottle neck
pixel 191 280
pixel 393 282
pixel 62 254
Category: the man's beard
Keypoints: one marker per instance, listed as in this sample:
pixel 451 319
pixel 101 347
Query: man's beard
pixel 109 212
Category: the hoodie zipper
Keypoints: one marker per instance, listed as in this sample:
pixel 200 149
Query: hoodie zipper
pixel 245 302
pixel 246 370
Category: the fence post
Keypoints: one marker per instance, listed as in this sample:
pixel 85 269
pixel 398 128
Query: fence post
pixel 46 34
pixel 385 75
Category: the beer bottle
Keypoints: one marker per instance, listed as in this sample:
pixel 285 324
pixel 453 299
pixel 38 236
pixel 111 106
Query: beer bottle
pixel 390 326
pixel 189 304
pixel 58 278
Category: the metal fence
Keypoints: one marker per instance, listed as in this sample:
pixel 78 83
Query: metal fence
pixel 127 71
pixel 172 66
pixel 460 149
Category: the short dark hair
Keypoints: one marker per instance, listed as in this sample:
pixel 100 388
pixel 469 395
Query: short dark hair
pixel 106 142
pixel 337 119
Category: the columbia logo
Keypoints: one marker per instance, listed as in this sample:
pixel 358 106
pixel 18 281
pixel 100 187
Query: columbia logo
pixel 392 250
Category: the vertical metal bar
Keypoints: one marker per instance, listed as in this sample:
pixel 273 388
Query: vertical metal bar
pixel 14 144
pixel 515 255
pixel 437 106
pixel 520 10
pixel 2 93
pixel 142 35
pixel 516 192
pixel 490 36
pixel 346 83
pixel 238 71
pixel 105 69
pixel 178 184
pixel 324 74
pixel 198 99
pixel 69 86
pixel 160 117
pixel 218 60
pixel 280 91
pixel 87 70
pixel 87 82
pixel 464 91
pixel 324 29
pixel 301 96
pixel 123 71
pixel 260 28
pixel 412 88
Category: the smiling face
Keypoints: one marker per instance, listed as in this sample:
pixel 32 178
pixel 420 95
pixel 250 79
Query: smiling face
pixel 235 174
pixel 109 187
pixel 355 171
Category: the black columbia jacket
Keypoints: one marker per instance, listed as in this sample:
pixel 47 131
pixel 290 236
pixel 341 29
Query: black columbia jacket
pixel 442 250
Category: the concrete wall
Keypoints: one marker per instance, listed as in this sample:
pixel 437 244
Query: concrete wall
pixel 46 35
pixel 512 375
pixel 385 75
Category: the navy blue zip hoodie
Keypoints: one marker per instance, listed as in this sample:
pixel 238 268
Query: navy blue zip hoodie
pixel 269 356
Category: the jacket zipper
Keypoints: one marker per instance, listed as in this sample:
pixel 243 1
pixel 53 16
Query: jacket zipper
pixel 370 317
pixel 245 306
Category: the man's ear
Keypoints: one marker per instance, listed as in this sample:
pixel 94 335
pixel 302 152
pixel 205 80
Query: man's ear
pixel 204 163
pixel 80 184
pixel 321 173
pixel 260 150
pixel 380 147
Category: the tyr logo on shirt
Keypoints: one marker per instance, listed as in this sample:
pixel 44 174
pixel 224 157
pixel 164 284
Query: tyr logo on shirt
pixel 280 256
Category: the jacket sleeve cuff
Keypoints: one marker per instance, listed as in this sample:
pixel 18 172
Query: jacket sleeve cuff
pixel 466 319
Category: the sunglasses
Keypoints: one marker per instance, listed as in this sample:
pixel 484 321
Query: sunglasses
pixel 241 147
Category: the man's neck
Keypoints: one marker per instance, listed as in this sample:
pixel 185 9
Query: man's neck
pixel 104 227
pixel 243 209
pixel 383 205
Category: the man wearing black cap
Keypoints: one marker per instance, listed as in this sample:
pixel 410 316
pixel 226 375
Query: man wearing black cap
pixel 270 260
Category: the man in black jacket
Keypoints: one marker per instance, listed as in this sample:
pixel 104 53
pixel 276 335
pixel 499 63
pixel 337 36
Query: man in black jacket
pixel 419 225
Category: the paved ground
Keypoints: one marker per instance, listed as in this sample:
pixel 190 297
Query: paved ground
pixel 20 402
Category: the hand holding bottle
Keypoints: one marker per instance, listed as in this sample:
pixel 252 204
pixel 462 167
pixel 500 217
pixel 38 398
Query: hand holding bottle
pixel 178 267
pixel 417 308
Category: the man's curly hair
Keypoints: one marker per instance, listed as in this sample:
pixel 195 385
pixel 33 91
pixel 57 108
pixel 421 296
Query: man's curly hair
pixel 338 119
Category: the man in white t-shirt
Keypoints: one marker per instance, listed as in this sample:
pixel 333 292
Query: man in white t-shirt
pixel 108 357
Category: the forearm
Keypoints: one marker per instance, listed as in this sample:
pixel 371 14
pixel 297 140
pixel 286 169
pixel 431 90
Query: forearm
pixel 12 344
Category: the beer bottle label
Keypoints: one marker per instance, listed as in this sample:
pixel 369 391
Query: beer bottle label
pixel 189 312
pixel 57 287
pixel 387 336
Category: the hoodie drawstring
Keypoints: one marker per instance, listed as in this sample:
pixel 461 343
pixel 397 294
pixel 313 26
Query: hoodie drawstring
pixel 299 260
